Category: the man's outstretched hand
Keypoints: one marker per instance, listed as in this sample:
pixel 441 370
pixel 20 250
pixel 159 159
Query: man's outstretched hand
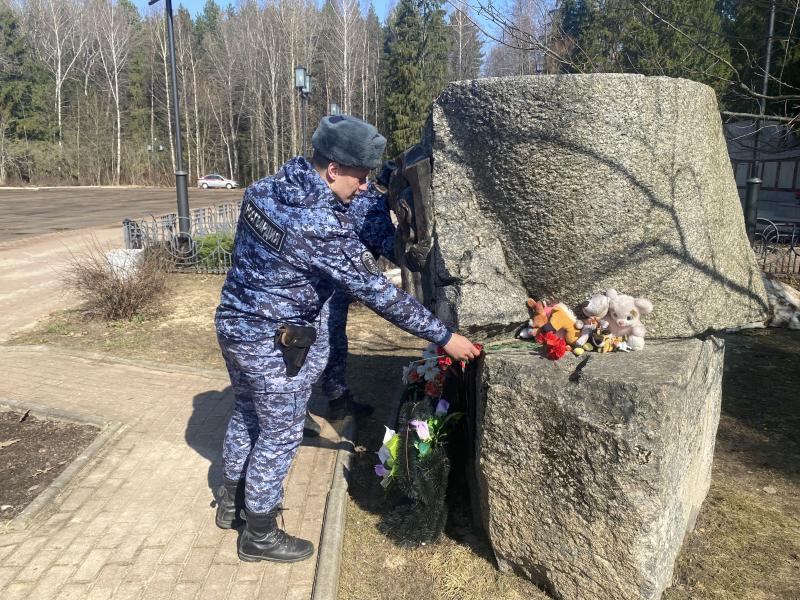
pixel 460 348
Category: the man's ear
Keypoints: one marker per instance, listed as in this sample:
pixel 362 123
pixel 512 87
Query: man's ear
pixel 332 171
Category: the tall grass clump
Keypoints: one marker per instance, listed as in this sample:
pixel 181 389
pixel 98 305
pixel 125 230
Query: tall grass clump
pixel 115 294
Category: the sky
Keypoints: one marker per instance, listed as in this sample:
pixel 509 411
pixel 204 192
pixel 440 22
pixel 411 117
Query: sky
pixel 195 7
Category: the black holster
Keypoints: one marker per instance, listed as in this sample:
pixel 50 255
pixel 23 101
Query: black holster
pixel 294 342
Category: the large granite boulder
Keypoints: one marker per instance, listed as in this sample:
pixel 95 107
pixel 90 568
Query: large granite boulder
pixel 558 187
pixel 590 472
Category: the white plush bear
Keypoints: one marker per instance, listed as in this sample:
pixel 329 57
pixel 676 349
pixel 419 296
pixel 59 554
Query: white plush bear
pixel 595 310
pixel 623 316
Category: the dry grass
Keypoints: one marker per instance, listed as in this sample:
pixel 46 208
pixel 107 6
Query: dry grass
pixel 746 544
pixel 112 294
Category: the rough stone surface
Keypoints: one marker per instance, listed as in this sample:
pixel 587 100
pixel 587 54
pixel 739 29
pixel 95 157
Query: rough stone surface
pixel 590 472
pixel 784 304
pixel 558 187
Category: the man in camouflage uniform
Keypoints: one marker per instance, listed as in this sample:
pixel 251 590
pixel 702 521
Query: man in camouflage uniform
pixel 295 243
pixel 374 227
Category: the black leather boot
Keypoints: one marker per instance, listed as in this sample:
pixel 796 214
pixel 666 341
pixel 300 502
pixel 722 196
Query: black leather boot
pixel 262 539
pixel 230 503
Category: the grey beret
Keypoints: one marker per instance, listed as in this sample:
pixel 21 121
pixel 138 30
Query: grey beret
pixel 349 141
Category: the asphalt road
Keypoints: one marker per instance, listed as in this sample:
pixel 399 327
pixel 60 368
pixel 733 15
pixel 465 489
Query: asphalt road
pixel 29 212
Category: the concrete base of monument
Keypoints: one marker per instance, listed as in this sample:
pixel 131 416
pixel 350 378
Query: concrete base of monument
pixel 590 471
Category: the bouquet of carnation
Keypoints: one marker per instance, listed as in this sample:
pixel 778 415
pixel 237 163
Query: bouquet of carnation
pixel 413 460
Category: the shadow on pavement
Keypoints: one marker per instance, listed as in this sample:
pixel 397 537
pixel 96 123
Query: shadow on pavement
pixel 205 430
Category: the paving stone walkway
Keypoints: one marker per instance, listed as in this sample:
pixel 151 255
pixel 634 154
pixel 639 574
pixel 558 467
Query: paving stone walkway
pixel 138 521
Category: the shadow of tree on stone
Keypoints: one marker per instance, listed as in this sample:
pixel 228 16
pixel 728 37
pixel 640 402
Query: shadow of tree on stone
pixel 682 248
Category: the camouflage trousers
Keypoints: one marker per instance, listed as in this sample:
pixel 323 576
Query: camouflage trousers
pixel 334 377
pixel 266 427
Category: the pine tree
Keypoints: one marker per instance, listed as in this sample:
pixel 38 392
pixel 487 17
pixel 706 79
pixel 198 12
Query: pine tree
pixel 623 36
pixel 406 91
pixel 745 25
pixel 208 21
pixel 25 107
pixel 434 52
pixel 417 56
pixel 14 89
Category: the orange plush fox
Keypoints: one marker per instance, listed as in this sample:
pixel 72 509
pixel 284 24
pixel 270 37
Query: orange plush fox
pixel 558 319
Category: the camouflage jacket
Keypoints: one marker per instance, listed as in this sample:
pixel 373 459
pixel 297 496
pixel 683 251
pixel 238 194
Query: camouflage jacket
pixel 370 213
pixel 295 241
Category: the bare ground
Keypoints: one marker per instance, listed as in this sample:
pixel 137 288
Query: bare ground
pixel 33 452
pixel 747 540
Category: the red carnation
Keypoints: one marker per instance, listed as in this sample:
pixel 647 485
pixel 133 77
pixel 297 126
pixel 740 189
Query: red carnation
pixel 445 362
pixel 556 348
pixel 551 338
pixel 432 389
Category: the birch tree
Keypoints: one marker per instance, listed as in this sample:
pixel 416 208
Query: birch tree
pixel 347 46
pixel 268 43
pixel 56 30
pixel 157 29
pixel 185 66
pixel 466 55
pixel 224 51
pixel 114 31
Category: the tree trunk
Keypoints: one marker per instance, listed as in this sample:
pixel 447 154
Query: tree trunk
pixel 165 60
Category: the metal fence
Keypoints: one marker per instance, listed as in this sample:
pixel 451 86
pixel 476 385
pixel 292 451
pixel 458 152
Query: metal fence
pixel 777 247
pixel 212 229
pixel 207 248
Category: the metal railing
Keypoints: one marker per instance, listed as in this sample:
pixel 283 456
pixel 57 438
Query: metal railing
pixel 205 249
pixel 777 247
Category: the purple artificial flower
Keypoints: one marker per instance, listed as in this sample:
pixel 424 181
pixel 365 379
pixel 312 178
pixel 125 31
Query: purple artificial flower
pixel 442 406
pixel 422 429
pixel 381 471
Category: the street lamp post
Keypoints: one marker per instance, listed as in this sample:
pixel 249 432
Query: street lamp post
pixel 302 83
pixel 334 109
pixel 181 176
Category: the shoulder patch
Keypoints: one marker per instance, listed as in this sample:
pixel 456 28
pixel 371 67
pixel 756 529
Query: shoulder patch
pixel 369 262
pixel 267 230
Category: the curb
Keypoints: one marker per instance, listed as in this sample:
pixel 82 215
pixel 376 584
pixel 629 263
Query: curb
pixel 109 430
pixel 329 556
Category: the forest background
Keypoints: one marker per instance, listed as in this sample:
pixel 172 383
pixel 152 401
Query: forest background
pixel 85 97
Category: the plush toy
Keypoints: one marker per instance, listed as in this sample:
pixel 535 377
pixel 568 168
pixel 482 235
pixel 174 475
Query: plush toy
pixel 623 317
pixel 557 319
pixel 562 323
pixel 539 314
pixel 595 310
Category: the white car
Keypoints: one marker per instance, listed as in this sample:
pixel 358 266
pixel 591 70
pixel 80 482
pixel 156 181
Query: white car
pixel 215 180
